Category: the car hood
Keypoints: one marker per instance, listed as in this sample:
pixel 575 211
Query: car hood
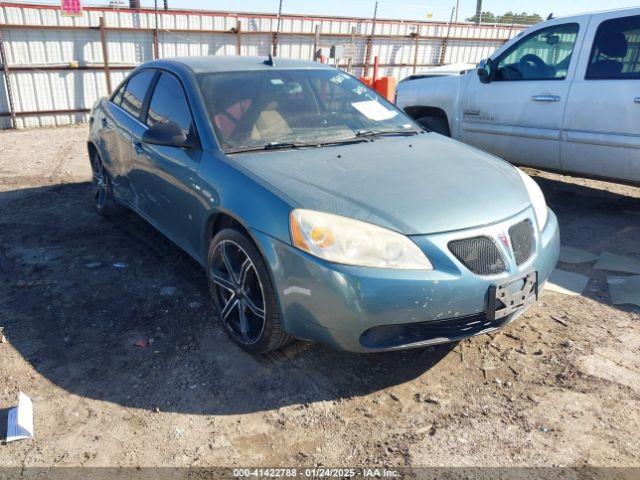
pixel 414 185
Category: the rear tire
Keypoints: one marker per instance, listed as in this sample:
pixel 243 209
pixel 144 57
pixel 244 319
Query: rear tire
pixel 102 188
pixel 243 294
pixel 435 124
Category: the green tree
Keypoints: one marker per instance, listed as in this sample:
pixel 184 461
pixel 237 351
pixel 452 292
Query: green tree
pixel 509 17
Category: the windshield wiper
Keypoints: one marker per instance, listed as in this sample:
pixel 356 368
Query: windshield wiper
pixel 272 146
pixel 382 133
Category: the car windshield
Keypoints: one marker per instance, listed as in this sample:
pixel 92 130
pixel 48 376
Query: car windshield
pixel 290 108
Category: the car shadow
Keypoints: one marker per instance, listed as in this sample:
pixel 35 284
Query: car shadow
pixel 597 220
pixel 83 305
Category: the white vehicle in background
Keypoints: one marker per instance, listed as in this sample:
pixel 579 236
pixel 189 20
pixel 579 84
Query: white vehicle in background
pixel 563 95
pixel 443 71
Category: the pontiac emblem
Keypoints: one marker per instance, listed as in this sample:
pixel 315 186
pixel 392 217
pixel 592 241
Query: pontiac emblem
pixel 505 241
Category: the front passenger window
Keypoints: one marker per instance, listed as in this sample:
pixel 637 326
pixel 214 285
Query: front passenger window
pixel 169 103
pixel 542 55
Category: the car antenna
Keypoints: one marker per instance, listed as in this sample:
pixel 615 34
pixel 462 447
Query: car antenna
pixel 550 16
pixel 269 61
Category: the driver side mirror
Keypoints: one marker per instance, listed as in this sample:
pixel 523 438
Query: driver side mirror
pixel 485 68
pixel 168 134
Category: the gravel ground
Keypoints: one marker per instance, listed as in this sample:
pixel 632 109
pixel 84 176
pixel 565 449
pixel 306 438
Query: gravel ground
pixel 560 386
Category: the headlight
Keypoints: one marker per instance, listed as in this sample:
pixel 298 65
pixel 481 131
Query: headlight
pixel 537 199
pixel 344 240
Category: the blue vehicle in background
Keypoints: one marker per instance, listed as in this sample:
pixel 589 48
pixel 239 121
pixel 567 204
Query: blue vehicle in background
pixel 319 210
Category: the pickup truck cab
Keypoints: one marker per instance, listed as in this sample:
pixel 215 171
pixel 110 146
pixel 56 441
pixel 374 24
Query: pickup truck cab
pixel 563 95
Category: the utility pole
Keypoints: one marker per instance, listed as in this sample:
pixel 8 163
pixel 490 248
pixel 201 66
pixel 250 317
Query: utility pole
pixel 457 10
pixel 275 37
pixel 370 42
pixel 479 12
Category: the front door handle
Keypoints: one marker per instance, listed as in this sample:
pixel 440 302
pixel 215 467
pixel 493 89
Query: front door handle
pixel 137 146
pixel 545 98
pixel 636 100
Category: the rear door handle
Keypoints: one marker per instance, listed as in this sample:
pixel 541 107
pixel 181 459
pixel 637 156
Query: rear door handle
pixel 545 98
pixel 636 100
pixel 138 148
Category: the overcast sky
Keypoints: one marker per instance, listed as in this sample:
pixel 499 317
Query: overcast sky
pixel 409 9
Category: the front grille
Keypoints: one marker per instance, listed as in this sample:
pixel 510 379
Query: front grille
pixel 479 254
pixel 522 240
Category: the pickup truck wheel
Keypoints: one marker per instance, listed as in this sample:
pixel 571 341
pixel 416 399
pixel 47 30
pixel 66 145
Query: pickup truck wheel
pixel 435 124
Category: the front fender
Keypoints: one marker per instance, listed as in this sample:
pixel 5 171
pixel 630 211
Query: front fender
pixel 442 92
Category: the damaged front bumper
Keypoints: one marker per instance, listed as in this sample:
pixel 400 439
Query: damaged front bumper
pixel 368 309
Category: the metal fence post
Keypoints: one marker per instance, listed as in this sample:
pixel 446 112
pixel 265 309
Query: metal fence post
pixel 316 43
pixel 105 54
pixel 238 38
pixel 7 81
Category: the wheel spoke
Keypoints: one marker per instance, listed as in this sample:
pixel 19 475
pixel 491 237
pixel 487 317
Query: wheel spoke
pixel 244 322
pixel 227 262
pixel 228 308
pixel 257 311
pixel 219 280
pixel 244 271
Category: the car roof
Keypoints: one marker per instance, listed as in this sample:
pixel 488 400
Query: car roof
pixel 234 63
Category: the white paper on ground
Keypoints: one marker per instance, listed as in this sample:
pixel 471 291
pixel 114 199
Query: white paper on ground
pixel 618 263
pixel 374 110
pixel 624 290
pixel 20 420
pixel 567 283
pixel 576 255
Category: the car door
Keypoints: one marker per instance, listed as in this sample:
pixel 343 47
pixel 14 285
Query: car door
pixel 166 176
pixel 124 121
pixel 516 111
pixel 601 132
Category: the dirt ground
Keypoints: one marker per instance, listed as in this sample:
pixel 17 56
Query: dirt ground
pixel 560 386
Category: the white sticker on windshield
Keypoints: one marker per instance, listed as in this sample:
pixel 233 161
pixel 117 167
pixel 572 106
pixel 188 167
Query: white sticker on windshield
pixel 374 110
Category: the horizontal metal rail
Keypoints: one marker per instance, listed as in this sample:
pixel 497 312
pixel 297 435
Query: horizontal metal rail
pixel 244 32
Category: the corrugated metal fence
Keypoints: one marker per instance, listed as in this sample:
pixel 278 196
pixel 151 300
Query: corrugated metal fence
pixel 55 65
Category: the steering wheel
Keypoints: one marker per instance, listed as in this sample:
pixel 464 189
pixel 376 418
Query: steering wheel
pixel 532 62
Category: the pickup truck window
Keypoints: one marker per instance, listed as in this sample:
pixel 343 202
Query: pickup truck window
pixel 542 55
pixel 616 50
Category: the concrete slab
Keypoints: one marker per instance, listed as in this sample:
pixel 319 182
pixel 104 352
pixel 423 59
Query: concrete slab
pixel 566 283
pixel 618 263
pixel 624 290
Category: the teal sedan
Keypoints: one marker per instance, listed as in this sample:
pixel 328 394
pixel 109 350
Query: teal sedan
pixel 319 210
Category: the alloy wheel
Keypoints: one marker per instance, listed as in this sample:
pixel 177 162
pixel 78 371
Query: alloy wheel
pixel 238 291
pixel 100 182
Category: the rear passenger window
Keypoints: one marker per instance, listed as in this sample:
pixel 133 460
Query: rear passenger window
pixel 135 92
pixel 169 103
pixel 616 50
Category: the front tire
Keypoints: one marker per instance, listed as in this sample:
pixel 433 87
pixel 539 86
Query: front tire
pixel 243 293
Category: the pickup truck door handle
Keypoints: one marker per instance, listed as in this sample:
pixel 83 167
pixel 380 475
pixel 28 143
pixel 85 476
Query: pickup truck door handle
pixel 138 148
pixel 636 100
pixel 545 98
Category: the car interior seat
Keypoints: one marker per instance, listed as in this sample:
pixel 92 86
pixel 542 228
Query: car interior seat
pixel 269 122
pixel 609 45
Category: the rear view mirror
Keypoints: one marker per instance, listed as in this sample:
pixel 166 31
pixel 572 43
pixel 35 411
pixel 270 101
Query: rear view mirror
pixel 484 70
pixel 168 134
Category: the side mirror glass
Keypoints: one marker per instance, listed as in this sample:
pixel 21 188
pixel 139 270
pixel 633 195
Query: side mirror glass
pixel 484 70
pixel 168 134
